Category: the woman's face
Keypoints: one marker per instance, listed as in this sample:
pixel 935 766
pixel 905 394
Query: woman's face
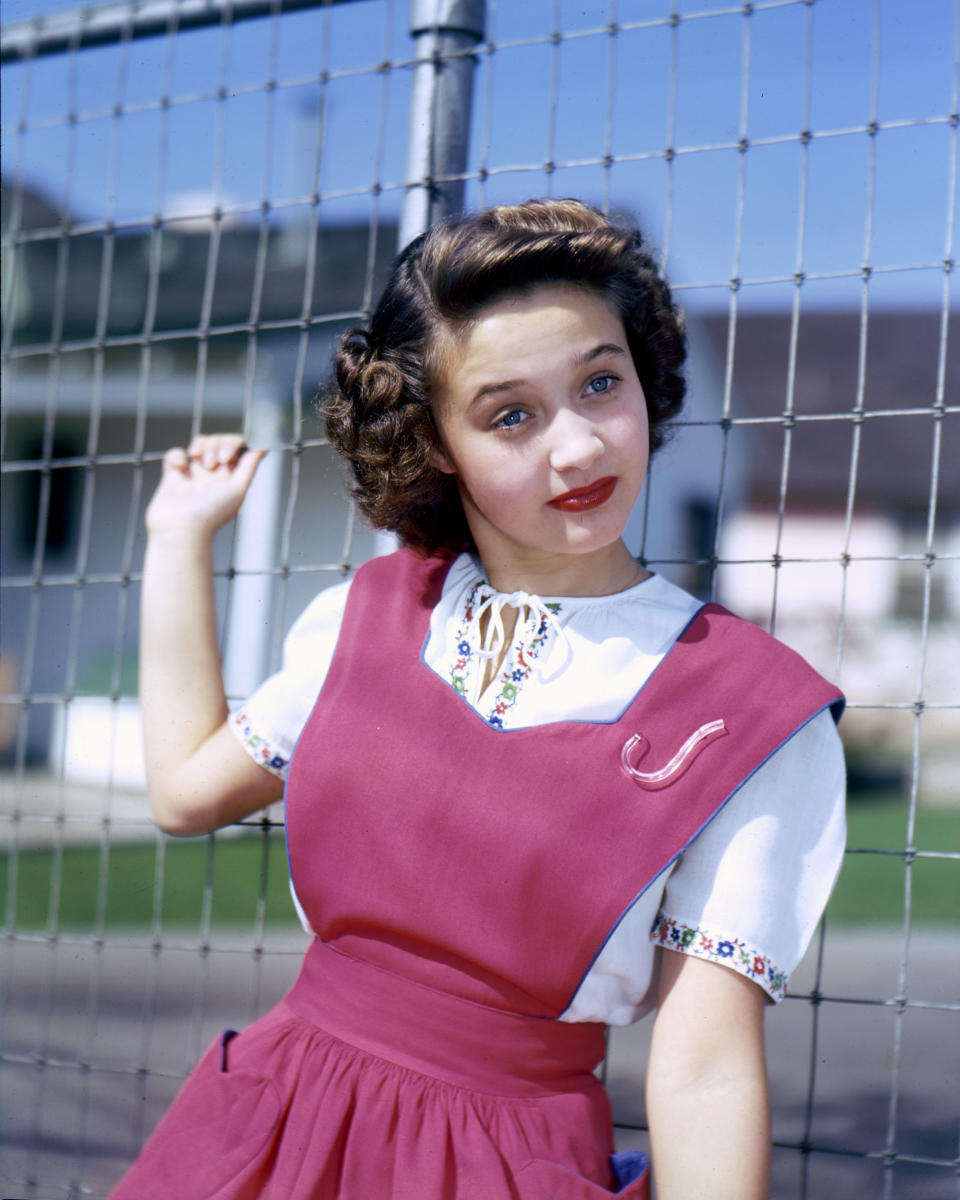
pixel 544 424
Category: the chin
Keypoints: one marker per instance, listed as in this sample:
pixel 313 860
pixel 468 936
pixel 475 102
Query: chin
pixel 589 545
pixel 598 529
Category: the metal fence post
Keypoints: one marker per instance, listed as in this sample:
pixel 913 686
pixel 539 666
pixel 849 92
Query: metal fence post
pixel 438 137
pixel 445 33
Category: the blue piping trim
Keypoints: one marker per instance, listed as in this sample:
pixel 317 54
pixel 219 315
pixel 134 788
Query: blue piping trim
pixel 286 785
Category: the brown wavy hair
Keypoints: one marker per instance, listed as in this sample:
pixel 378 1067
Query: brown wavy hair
pixel 377 408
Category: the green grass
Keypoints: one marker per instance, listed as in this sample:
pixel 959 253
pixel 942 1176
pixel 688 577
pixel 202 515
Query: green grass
pixel 118 892
pixel 870 890
pixel 229 873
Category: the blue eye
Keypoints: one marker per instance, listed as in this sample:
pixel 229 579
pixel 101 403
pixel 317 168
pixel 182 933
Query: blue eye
pixel 510 420
pixel 601 384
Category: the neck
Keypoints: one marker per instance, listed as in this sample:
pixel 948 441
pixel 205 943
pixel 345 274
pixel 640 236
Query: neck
pixel 603 573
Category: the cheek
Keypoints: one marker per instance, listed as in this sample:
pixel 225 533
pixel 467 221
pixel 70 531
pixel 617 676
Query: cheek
pixel 495 487
pixel 631 435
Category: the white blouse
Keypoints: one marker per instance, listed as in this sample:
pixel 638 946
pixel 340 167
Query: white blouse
pixel 747 892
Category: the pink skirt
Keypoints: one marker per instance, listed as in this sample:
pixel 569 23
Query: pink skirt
pixel 361 1084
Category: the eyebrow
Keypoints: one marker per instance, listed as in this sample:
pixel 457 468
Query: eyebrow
pixel 581 360
pixel 599 352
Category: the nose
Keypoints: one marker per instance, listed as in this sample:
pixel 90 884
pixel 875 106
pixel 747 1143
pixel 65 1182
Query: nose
pixel 575 443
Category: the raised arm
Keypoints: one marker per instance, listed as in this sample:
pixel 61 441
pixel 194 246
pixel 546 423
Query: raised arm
pixel 707 1084
pixel 198 775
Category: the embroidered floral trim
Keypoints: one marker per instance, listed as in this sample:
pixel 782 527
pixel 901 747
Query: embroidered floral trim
pixel 732 952
pixel 518 663
pixel 258 747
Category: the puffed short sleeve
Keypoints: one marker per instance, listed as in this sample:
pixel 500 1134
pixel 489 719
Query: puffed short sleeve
pixel 270 721
pixel 749 890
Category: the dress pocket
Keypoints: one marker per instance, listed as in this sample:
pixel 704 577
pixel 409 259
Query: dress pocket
pixel 209 1144
pixel 542 1180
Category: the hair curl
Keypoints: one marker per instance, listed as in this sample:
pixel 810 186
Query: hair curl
pixel 377 409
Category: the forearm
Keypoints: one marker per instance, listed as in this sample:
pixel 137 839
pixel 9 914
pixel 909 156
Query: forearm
pixel 707 1084
pixel 181 686
pixel 710 1137
pixel 182 697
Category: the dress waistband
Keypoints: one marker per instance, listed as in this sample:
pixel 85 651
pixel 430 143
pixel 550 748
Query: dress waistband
pixel 439 1034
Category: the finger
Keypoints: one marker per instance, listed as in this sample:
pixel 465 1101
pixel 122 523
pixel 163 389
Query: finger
pixel 176 459
pixel 203 450
pixel 229 449
pixel 195 449
pixel 246 466
pixel 214 449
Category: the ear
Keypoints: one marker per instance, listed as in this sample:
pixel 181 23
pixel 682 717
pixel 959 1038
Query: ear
pixel 438 456
pixel 439 459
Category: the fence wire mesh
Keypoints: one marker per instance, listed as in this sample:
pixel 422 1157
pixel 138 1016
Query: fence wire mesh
pixel 190 220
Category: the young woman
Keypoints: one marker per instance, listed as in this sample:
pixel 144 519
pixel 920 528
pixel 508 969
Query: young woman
pixel 536 789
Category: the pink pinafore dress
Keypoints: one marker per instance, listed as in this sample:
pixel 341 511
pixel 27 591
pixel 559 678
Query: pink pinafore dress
pixel 461 880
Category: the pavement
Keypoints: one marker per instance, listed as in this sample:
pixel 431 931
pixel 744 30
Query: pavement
pixel 97 1038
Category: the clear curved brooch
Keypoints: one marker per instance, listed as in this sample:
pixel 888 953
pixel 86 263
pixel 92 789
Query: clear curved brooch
pixel 688 752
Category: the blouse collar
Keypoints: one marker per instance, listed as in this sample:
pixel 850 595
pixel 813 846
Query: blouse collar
pixel 534 613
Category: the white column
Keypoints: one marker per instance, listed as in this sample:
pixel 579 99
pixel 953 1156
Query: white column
pixel 250 613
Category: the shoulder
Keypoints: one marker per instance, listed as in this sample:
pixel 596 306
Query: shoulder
pixel 321 616
pixel 730 634
pixel 269 721
pixel 402 577
pixel 750 668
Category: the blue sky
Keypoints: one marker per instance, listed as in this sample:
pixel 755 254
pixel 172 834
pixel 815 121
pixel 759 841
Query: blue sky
pixel 538 101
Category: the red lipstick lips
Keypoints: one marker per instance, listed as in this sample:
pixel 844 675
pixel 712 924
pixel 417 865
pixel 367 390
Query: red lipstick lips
pixel 585 498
